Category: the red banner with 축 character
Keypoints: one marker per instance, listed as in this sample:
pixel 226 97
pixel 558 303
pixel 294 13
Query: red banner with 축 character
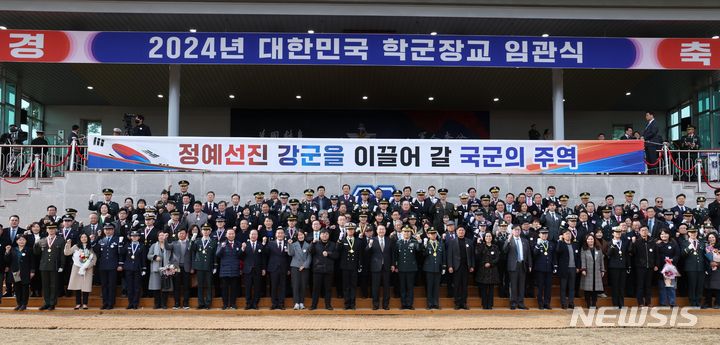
pixel 358 49
pixel 308 155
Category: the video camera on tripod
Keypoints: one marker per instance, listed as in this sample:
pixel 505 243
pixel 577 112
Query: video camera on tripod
pixel 128 120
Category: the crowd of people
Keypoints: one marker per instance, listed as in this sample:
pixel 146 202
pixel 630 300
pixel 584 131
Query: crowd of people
pixel 367 247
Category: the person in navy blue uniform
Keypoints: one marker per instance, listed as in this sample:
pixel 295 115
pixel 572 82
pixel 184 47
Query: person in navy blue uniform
pixel 350 263
pixel 618 254
pixel 253 269
pixel 543 267
pixel 108 249
pixel 68 232
pixel 278 266
pixel 135 267
pixel 228 255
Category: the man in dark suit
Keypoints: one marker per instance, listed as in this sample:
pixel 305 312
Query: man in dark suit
pixel 653 140
pixel 278 266
pixel 113 207
pixel 628 135
pixel 321 200
pixel 253 269
pixel 460 262
pixel 209 207
pixel 109 251
pixel 519 263
pixel 347 198
pixel 380 250
pixel 52 261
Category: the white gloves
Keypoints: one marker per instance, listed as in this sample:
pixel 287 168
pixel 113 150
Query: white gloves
pixel 60 270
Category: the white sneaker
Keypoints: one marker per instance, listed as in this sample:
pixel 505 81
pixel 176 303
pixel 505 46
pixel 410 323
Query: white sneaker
pixel 297 306
pixel 302 306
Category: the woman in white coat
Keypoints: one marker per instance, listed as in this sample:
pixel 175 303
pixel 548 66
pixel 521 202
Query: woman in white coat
pixel 81 277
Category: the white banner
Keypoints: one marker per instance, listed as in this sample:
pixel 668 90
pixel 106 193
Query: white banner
pixel 308 155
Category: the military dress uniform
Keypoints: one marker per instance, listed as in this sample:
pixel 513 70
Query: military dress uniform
pixel 350 252
pixel 134 258
pixel 543 266
pixel 693 252
pixel 434 266
pixel 178 197
pixel 618 254
pixel 109 251
pixel 113 207
pixel 203 262
pixel 52 259
pixel 406 263
pixel 700 213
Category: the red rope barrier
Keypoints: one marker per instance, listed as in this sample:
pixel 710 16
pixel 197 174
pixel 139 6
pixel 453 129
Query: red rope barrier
pixel 27 174
pixel 79 154
pixel 656 162
pixel 65 159
pixel 672 160
pixel 707 181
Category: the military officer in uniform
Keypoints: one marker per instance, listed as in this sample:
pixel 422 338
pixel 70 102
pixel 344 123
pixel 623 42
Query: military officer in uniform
pixel 148 236
pixel 113 207
pixel 443 208
pixel 405 259
pixel 584 200
pixel 109 251
pixel 133 256
pixel 543 266
pixel 629 208
pixel 700 212
pixel 693 252
pixel 350 252
pixel 434 267
pixel 495 196
pixel 203 262
pixel 178 197
pixel 52 261
pixel 618 253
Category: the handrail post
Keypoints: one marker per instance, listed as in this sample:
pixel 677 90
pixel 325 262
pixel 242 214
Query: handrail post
pixel 698 169
pixel 72 154
pixel 667 159
pixel 37 170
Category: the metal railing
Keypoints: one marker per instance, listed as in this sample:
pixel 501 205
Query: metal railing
pixel 20 162
pixel 697 166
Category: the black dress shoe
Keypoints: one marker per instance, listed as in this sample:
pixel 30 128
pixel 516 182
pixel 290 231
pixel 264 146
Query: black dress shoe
pixel 457 307
pixel 523 307
pixel 23 307
pixel 375 308
pixel 44 307
pixel 247 307
pixel 386 308
pixel 548 307
pixel 465 307
pixel 329 308
pixel 512 307
pixel 17 308
pixel 129 307
pixel 52 307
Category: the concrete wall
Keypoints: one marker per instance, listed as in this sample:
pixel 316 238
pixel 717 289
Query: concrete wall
pixel 216 121
pixel 74 189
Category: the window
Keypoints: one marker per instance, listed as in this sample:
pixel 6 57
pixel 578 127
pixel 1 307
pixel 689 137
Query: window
pixel 619 130
pixel 93 128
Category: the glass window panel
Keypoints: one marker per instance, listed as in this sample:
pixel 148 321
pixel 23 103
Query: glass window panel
pixel 10 94
pixel 94 128
pixel 685 112
pixel 703 130
pixel 10 115
pixel 674 119
pixel 25 104
pixel 675 133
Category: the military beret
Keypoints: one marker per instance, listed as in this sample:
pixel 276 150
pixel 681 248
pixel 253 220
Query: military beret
pixel 494 189
pixel 107 191
pixel 183 183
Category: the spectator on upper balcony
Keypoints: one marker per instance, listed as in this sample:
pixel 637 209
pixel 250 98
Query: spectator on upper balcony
pixel 140 129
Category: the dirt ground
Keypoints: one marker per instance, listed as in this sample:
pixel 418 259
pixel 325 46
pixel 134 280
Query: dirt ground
pixel 535 328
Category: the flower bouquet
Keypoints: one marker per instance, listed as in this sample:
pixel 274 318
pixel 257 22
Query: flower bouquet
pixel 669 273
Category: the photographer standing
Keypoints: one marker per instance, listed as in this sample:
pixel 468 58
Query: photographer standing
pixel 15 136
pixel 141 129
